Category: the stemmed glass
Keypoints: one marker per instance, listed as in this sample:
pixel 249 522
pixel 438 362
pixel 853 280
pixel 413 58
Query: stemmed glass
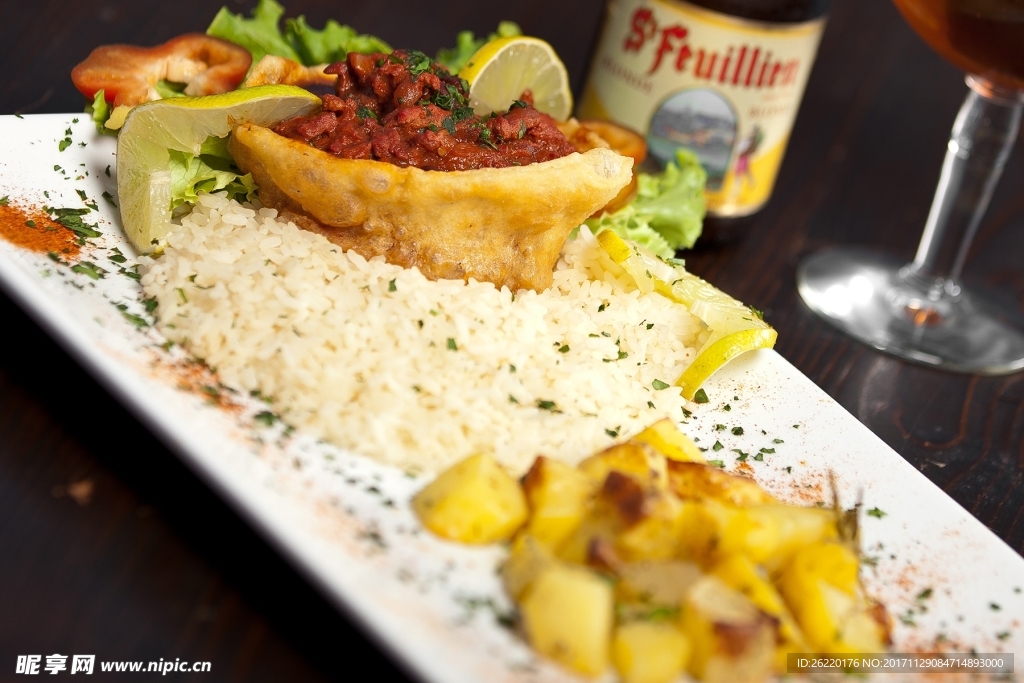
pixel 921 311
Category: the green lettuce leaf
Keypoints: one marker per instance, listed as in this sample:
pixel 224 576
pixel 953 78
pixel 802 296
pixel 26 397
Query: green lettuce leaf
pixel 466 45
pixel 668 210
pixel 262 35
pixel 331 44
pixel 99 110
pixel 211 171
pixel 259 35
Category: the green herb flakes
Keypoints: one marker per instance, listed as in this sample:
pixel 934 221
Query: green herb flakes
pixel 90 269
pixel 564 348
pixel 265 418
pixel 659 385
pixel 718 446
pixel 737 431
pixel 767 450
pixel 452 346
pixel 700 397
pixel 547 405
pixel 875 512
pixel 716 463
pixel 392 287
pixel 612 433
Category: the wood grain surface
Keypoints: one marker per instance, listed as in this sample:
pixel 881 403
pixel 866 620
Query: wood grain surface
pixel 110 546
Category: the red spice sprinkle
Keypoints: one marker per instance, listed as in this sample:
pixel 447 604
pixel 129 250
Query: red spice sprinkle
pixel 32 228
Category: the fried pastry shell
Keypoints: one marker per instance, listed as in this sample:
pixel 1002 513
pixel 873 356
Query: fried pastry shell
pixel 501 225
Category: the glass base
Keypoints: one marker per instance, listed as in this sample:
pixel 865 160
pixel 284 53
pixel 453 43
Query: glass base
pixel 879 301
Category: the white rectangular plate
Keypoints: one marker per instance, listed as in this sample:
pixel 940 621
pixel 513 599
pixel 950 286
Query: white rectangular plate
pixel 345 520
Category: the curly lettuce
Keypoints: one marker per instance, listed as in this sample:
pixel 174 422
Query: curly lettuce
pixel 212 170
pixel 668 211
pixel 261 35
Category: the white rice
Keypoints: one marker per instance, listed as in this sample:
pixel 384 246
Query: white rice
pixel 361 352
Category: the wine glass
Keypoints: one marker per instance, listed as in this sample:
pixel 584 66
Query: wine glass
pixel 921 311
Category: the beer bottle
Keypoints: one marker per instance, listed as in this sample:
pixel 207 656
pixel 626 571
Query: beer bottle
pixel 722 78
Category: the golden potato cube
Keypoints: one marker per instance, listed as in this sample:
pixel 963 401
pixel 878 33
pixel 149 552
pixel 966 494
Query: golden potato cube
pixel 656 584
pixel 820 586
pixel 699 481
pixel 649 652
pixel 767 534
pixel 557 495
pixel 775 532
pixel 529 557
pixel 597 526
pixel 666 438
pixel 568 615
pixel 474 501
pixel 740 574
pixel 633 458
pixel 731 640
pixel 656 535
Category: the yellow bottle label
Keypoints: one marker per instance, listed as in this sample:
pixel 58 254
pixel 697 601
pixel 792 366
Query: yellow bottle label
pixel 726 88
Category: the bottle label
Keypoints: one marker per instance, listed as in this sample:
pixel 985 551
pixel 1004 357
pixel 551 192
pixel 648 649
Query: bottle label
pixel 726 88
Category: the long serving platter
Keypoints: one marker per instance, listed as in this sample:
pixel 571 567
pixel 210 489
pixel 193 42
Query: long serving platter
pixel 344 521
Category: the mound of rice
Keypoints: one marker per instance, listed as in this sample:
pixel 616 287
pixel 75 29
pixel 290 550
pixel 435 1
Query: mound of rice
pixel 379 360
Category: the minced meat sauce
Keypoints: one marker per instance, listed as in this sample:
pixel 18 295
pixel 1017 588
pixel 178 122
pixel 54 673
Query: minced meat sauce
pixel 407 110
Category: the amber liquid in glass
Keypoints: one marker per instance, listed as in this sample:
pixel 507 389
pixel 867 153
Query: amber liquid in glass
pixel 983 37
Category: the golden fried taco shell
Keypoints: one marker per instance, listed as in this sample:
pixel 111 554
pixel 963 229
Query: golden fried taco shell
pixel 501 225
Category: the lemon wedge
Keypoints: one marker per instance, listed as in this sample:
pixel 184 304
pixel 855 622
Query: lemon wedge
pixel 734 327
pixel 184 124
pixel 503 68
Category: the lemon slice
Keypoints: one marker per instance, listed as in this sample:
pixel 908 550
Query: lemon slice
pixel 184 124
pixel 503 68
pixel 734 327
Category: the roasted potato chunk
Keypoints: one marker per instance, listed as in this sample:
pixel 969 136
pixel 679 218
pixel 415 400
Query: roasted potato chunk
pixel 474 501
pixel 636 459
pixel 529 557
pixel 557 495
pixel 649 651
pixel 666 438
pixel 732 640
pixel 821 586
pixel 568 615
pixel 500 225
pixel 700 481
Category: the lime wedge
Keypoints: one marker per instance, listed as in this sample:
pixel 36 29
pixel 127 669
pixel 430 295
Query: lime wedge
pixel 184 124
pixel 733 326
pixel 503 68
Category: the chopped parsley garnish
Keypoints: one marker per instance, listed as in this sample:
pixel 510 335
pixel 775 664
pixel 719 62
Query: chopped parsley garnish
pixel 925 594
pixel 600 309
pixel 768 450
pixel 266 418
pixel 737 431
pixel 727 407
pixel 365 112
pixel 718 446
pixel 700 397
pixel 90 269
pixel 511 368
pixel 392 287
pixel 512 399
pixel 650 404
pixel 742 456
pixel 546 405
pixel 4 201
pixel 116 256
pixel 150 304
pixel 452 346
pixel 720 428
pixel 778 441
pixel 759 457
pixel 994 606
pixel 181 295
pixel 564 348
pixel 449 125
pixel 518 104
pixel 64 144
pixel 416 62
pixel 716 463
pixel 875 512
pixel 611 432
pixel 659 385
pixel 757 312
pixel 30 223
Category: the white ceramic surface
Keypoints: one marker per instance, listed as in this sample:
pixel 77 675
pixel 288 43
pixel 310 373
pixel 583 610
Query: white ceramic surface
pixel 344 521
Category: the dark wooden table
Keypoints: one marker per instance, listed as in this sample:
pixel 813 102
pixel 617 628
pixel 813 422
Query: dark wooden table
pixel 109 545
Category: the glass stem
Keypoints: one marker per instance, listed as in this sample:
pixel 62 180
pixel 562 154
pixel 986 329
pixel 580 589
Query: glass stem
pixel 982 137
